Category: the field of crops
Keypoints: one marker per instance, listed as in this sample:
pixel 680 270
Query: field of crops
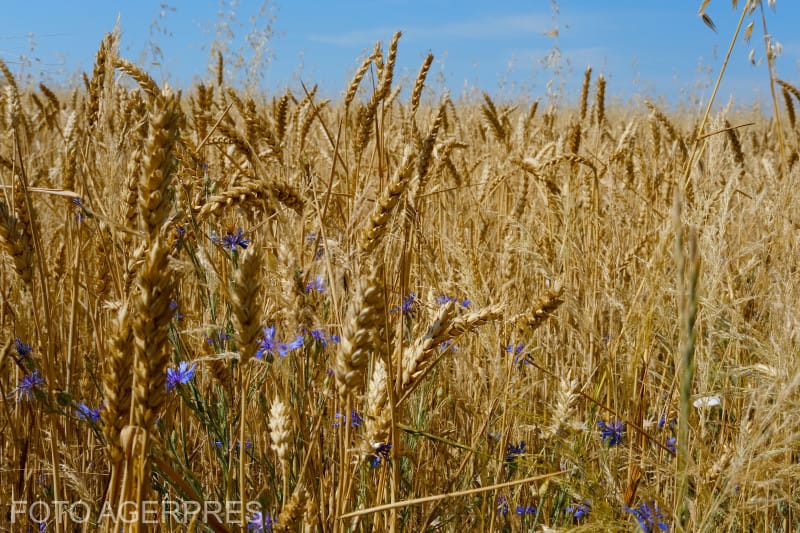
pixel 394 311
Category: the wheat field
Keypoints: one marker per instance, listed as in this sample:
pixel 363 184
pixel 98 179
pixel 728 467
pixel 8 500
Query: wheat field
pixel 225 310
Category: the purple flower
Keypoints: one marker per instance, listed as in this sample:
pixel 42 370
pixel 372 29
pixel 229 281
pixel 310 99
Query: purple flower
pixel 269 345
pixel 510 348
pixel 448 344
pixel 611 433
pixel 316 285
pixel 382 451
pixel 176 313
pixel 29 385
pixel 340 419
pixel 261 522
pixel 180 236
pixel 516 350
pixel 219 337
pixel 23 350
pixel 526 509
pixel 80 212
pixel 579 511
pixel 662 422
pixel 408 307
pixel 319 336
pixel 649 516
pixel 86 413
pixel 443 299
pixel 285 347
pixel 672 444
pixel 230 241
pixel 515 452
pixel 502 505
pixel 181 375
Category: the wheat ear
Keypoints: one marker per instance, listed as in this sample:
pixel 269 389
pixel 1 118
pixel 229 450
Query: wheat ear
pixel 361 336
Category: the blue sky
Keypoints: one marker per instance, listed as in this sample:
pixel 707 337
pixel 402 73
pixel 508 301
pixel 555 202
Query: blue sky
pixel 659 49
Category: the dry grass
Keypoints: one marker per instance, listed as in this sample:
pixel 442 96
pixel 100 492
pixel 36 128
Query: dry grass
pixel 435 301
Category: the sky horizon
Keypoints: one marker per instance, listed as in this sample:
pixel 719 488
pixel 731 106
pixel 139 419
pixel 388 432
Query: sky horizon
pixel 659 51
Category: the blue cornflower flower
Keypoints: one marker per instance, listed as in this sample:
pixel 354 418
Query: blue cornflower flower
pixel 230 241
pixel 176 313
pixel 408 307
pixel 662 422
pixel 270 345
pixel 514 452
pixel 526 509
pixel 180 237
pixel 336 339
pixel 448 344
pixel 319 336
pixel 23 350
pixel 502 505
pixel 611 433
pixel 382 451
pixel 261 522
pixel 516 350
pixel 649 516
pixel 579 511
pixel 86 413
pixel 181 375
pixel 341 419
pixel 28 385
pixel 444 299
pixel 672 444
pixel 80 214
pixel 219 336
pixel 316 285
pixel 285 347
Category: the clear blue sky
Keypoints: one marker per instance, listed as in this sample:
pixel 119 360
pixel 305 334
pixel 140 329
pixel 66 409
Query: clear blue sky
pixel 657 48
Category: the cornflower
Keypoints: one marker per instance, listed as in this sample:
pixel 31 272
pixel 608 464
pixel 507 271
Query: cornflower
pixel 176 313
pixel 672 444
pixel 270 345
pixel 261 522
pixel 80 215
pixel 444 299
pixel 611 433
pixel 28 385
pixel 382 450
pixel 502 505
pixel 579 511
pixel 23 350
pixel 181 375
pixel 340 419
pixel 231 240
pixel 515 452
pixel 408 307
pixel 317 285
pixel 649 516
pixel 86 413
